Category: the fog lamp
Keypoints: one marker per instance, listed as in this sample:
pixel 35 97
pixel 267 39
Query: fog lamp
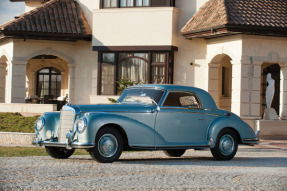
pixel 49 134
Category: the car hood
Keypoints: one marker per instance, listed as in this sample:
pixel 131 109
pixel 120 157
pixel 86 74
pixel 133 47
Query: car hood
pixel 118 107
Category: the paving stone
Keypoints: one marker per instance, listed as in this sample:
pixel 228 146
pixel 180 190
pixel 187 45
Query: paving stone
pixel 252 168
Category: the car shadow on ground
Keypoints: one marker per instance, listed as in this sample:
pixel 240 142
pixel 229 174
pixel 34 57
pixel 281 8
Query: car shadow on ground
pixel 237 161
pixel 210 161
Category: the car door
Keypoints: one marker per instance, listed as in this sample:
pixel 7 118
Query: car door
pixel 181 121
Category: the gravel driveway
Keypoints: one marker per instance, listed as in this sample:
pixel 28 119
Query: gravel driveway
pixel 251 169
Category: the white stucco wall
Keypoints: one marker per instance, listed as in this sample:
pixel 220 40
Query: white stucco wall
pixel 150 26
pixel 189 51
pixel 32 5
pixel 265 48
pixel 86 72
pixel 6 55
pixel 87 7
pixel 6 48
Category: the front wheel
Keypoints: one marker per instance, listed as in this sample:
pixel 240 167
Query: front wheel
pixel 174 152
pixel 226 145
pixel 108 145
pixel 59 153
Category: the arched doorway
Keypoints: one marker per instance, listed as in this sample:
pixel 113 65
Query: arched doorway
pixel 220 81
pixel 3 76
pixel 274 69
pixel 47 77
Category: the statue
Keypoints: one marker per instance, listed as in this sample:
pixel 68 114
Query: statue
pixel 270 90
pixel 270 113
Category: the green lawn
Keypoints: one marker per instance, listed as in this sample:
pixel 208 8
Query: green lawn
pixel 30 151
pixel 15 122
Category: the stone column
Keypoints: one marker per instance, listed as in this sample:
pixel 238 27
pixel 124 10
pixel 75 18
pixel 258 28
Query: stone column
pixel 33 84
pixel 283 92
pixel 17 80
pixel 236 87
pixel 71 84
pixel 246 88
pixel 3 73
pixel 63 84
pixel 213 85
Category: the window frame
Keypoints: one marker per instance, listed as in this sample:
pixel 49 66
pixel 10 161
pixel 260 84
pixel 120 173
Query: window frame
pixel 58 73
pixel 168 65
pixel 118 3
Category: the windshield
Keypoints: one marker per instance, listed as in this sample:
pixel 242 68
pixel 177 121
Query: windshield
pixel 141 96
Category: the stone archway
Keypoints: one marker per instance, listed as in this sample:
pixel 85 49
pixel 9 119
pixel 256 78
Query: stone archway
pixel 36 64
pixel 3 77
pixel 274 69
pixel 220 80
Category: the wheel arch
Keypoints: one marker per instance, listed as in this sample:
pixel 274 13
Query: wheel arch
pixel 236 133
pixel 120 129
pixel 216 128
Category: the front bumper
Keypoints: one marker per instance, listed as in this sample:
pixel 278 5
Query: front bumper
pixel 252 141
pixel 69 144
pixel 74 145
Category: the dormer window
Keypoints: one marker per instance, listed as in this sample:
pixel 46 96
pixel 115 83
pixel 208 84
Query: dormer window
pixel 136 3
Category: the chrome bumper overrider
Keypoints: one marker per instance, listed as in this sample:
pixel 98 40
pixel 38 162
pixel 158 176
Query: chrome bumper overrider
pixel 69 144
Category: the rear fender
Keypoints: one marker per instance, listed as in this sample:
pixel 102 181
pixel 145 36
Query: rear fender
pixel 240 127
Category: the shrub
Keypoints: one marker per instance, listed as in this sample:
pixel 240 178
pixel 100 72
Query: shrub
pixel 15 122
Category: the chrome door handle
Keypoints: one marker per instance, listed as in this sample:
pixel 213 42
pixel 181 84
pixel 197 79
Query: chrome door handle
pixel 200 118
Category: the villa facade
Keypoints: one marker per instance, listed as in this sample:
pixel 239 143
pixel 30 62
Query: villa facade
pixel 79 48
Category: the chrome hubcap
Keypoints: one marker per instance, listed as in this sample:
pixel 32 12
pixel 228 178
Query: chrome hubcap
pixel 108 145
pixel 226 145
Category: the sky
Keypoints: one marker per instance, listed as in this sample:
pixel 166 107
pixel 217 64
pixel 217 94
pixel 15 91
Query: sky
pixel 9 10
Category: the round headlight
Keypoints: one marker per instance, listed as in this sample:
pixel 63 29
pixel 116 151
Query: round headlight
pixel 39 124
pixel 81 125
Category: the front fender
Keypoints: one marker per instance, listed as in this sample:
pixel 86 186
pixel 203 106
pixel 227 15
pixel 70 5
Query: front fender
pixel 138 133
pixel 52 120
pixel 237 124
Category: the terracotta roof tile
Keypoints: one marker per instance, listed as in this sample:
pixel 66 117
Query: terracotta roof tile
pixel 62 18
pixel 247 13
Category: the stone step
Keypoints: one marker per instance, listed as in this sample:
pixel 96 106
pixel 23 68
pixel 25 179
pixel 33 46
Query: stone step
pixel 272 129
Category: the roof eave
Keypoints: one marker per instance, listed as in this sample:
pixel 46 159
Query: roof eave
pixel 46 36
pixel 218 31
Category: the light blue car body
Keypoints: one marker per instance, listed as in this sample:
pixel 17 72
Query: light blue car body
pixel 150 126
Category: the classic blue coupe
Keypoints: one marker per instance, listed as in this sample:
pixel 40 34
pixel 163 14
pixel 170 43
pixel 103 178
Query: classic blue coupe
pixel 146 117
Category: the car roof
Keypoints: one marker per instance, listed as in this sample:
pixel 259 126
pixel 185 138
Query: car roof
pixel 206 100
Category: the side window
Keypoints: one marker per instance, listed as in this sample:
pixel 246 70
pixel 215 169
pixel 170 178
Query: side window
pixel 181 99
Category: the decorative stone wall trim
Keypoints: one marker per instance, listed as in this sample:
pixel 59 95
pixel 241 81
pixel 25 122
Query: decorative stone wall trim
pixel 16 138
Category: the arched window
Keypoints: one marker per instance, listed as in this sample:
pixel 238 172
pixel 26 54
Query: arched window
pixel 48 83
pixel 133 66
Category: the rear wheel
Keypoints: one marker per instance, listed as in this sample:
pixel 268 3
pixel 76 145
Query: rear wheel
pixel 59 153
pixel 108 145
pixel 174 152
pixel 226 145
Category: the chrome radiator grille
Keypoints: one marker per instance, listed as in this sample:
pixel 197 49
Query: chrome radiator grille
pixel 66 124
